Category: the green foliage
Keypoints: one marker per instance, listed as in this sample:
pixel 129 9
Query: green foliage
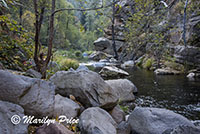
pixel 15 44
pixel 78 53
pixel 147 26
pixel 62 58
pixel 124 108
pixel 68 63
pixel 148 63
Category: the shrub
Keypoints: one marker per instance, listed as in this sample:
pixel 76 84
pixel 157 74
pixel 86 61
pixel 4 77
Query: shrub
pixel 68 63
pixel 148 63
pixel 78 54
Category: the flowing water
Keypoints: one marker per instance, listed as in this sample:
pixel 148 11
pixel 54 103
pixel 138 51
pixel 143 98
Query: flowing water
pixel 174 92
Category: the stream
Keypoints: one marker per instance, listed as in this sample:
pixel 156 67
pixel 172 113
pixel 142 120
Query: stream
pixel 174 92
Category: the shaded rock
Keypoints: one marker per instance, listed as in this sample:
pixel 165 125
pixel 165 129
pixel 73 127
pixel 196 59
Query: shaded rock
pixel 33 73
pixel 105 44
pixel 123 88
pixel 65 106
pixel 155 120
pixel 113 72
pixel 128 64
pixel 1 66
pixel 189 54
pixel 117 114
pixel 183 130
pixel 124 128
pixel 97 121
pixel 7 110
pixel 34 95
pixel 55 128
pixel 97 55
pixel 86 86
pixel 101 44
pixel 166 71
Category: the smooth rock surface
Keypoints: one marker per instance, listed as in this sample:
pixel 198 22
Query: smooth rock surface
pixel 7 110
pixel 155 121
pixel 123 88
pixel 112 72
pixel 55 128
pixel 65 106
pixel 97 121
pixel 34 95
pixel 86 86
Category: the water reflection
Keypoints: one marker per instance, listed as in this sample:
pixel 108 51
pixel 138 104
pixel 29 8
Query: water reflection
pixel 174 92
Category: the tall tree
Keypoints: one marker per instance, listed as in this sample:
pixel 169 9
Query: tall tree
pixel 40 60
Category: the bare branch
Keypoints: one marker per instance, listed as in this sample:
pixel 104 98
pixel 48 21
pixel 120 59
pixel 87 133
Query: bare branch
pixel 86 9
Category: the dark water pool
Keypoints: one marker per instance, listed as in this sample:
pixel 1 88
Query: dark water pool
pixel 174 92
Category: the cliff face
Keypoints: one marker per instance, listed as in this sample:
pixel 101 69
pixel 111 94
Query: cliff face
pixel 174 34
pixel 123 11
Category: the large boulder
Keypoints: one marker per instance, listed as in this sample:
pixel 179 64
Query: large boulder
pixel 55 128
pixel 7 111
pixel 183 130
pixel 97 121
pixel 123 88
pixel 65 106
pixel 34 95
pixel 86 86
pixel 112 72
pixel 98 55
pixel 155 120
pixel 105 44
pixel 101 44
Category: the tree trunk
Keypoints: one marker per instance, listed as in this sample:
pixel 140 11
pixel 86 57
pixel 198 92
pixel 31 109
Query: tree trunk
pixel 41 63
pixel 113 32
pixel 20 16
pixel 50 42
pixel 184 23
